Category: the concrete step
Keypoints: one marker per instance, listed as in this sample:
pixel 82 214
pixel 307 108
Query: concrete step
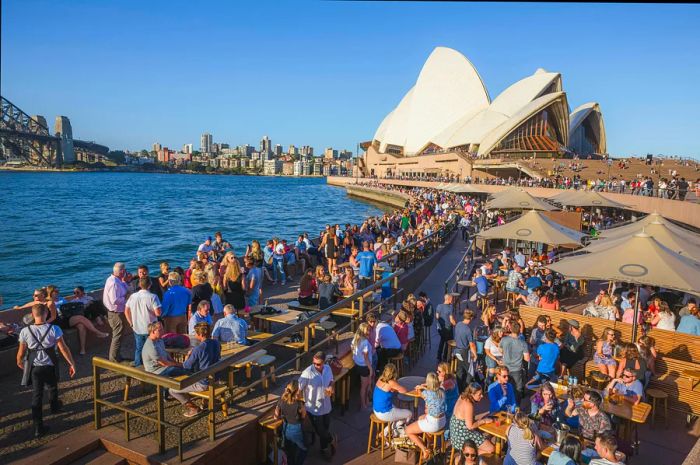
pixel 100 457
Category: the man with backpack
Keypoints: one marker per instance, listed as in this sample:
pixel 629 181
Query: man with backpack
pixel 38 359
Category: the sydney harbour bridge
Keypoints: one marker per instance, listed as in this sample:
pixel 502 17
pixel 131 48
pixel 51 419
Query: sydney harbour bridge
pixel 26 139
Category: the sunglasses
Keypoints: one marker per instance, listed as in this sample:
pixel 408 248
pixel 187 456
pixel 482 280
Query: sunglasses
pixel 469 455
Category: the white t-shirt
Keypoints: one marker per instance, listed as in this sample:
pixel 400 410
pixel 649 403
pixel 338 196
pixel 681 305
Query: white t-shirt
pixel 203 247
pixel 666 321
pixel 143 305
pixel 493 348
pixel 359 351
pixel 53 333
pixel 313 384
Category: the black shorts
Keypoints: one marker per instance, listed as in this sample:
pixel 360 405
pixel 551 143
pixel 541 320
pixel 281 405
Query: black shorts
pixel 362 372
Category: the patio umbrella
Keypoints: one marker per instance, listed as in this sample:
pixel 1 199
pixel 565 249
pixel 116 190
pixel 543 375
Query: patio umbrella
pixel 468 188
pixel 517 199
pixel 533 226
pixel 640 260
pixel 633 228
pixel 659 231
pixel 574 198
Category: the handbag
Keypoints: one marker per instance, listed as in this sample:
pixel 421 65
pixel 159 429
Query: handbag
pixel 335 364
pixel 407 455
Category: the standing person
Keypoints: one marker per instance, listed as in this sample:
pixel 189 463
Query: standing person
pixel 253 282
pixel 142 309
pixel 361 356
pixel 515 351
pixel 290 408
pixel 367 261
pixel 444 314
pixel 176 301
pixel 547 354
pixel 330 245
pixel 204 355
pixel 316 385
pixel 278 262
pixel 37 356
pixel 465 350
pixel 234 286
pixel 386 342
pixel 201 290
pixel 307 288
pixel 114 299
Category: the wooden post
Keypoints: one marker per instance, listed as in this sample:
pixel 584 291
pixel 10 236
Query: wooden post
pixel 97 407
pixel 160 430
pixel 211 418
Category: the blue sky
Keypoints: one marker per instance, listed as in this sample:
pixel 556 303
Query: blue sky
pixel 130 73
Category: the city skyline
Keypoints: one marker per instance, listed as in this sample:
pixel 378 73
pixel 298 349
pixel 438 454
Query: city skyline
pixel 200 71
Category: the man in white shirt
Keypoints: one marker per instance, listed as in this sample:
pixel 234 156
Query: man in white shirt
pixel 114 299
pixel 142 309
pixel 316 384
pixel 206 246
pixel 520 258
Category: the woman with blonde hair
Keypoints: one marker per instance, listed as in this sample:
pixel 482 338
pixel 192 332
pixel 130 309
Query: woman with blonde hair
pixel 361 355
pixel 604 350
pixel 493 353
pixel 349 284
pixel 234 286
pixel 523 441
pixel 290 408
pixel 382 400
pixel 226 261
pixel 464 426
pixel 488 316
pixel 434 418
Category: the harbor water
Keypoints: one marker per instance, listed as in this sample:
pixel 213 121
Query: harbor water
pixel 68 229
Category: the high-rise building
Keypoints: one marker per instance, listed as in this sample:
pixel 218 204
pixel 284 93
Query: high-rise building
pixel 330 154
pixel 156 147
pixel 345 155
pixel 245 150
pixel 205 142
pixel 63 129
pixel 293 150
pixel 278 150
pixel 265 145
pixel 307 151
pixel 214 148
pixel 187 148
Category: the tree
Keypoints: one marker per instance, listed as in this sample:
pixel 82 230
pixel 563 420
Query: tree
pixel 118 156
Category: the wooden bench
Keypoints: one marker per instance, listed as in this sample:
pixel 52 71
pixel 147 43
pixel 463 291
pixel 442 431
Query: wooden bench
pixel 298 347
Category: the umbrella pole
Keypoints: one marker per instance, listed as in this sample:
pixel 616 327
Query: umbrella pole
pixel 635 323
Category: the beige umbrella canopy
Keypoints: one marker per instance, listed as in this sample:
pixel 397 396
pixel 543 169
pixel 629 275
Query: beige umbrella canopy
pixel 467 188
pixel 574 198
pixel 633 228
pixel 640 259
pixel 517 199
pixel 533 226
pixel 659 231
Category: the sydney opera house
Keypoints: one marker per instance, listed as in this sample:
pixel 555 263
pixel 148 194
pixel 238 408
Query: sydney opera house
pixel 447 124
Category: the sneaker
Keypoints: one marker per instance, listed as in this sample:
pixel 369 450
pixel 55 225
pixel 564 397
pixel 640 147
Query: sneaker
pixel 40 431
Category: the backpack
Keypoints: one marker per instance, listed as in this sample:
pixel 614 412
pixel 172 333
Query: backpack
pixel 175 341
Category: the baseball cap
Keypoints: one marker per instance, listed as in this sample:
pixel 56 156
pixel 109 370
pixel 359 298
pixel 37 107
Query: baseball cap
pixel 573 323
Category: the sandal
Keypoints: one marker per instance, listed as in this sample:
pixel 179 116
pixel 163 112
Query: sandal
pixel 426 455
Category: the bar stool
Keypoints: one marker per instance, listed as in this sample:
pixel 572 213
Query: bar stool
pixel 455 298
pixel 451 345
pixel 658 394
pixel 378 426
pixel 398 361
pixel 433 437
pixel 511 299
pixel 427 335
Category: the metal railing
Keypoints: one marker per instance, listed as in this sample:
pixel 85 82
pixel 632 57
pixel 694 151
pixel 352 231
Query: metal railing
pixel 462 270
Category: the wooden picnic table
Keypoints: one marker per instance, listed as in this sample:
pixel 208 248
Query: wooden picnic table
pixel 498 429
pixel 287 317
pixel 413 394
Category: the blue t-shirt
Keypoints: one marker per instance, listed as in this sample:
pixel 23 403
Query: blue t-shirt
pixel 549 353
pixel 689 325
pixel 499 401
pixel 203 356
pixel 533 282
pixel 175 301
pixel 367 261
pixel 463 335
pixel 482 285
pixel 197 318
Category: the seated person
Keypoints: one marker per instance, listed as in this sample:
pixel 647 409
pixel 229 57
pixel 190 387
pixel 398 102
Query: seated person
pixel 487 270
pixel 501 392
pixel 307 289
pixel 571 350
pixel 207 353
pixel 384 392
pixel 544 405
pixel 328 293
pixel 434 418
pixel 606 447
pixel 155 358
pixel 231 328
pixel 200 316
pixel 516 284
pixel 533 282
pixel 482 284
pixel 628 386
pixel 591 419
